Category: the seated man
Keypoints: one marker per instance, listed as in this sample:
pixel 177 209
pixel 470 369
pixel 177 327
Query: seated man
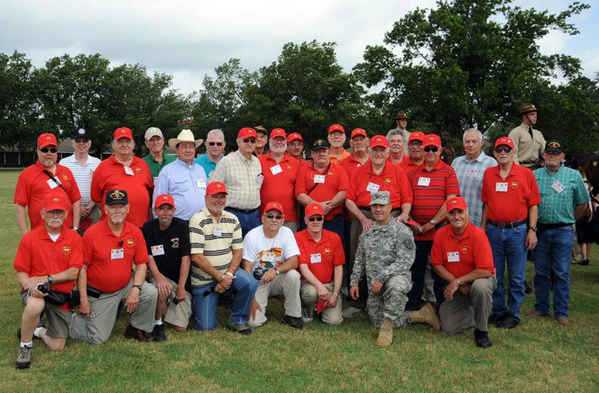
pixel 109 249
pixel 167 243
pixel 48 257
pixel 270 253
pixel 321 262
pixel 462 257
pixel 216 251
pixel 385 253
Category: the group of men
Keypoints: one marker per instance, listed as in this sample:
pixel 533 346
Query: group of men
pixel 263 222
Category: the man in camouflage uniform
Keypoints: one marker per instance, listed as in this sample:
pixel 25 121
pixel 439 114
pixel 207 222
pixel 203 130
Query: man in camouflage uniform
pixel 386 252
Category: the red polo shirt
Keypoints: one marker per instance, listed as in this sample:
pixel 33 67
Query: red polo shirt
pixel 430 193
pixel 101 245
pixel 111 175
pixel 392 179
pixel 403 158
pixel 38 255
pixel 279 183
pixel 508 200
pixel 351 163
pixel 408 165
pixel 462 255
pixel 335 180
pixel 33 185
pixel 329 250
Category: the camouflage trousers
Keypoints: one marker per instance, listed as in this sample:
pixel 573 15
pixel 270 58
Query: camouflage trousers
pixel 391 302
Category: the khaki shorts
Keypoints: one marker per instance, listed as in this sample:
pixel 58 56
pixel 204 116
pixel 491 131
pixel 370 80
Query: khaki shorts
pixel 177 314
pixel 58 318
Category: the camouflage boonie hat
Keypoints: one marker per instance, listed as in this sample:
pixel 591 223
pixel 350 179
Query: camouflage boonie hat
pixel 380 198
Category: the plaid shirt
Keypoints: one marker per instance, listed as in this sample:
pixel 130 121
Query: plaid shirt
pixel 557 207
pixel 470 175
pixel 243 179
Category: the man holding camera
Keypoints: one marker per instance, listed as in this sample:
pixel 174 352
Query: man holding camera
pixel 47 263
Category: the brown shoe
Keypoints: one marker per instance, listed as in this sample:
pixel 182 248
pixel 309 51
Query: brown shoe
pixel 385 333
pixel 537 314
pixel 426 314
pixel 563 321
pixel 137 334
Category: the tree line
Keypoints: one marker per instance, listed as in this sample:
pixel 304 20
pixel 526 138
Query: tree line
pixel 464 64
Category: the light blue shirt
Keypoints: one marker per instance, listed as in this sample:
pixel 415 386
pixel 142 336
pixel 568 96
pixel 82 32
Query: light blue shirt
pixel 206 163
pixel 186 184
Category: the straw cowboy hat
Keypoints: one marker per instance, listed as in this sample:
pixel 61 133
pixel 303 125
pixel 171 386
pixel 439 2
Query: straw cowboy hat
pixel 184 136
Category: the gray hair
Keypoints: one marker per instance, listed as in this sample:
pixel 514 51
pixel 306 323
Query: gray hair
pixel 394 132
pixel 216 132
pixel 480 134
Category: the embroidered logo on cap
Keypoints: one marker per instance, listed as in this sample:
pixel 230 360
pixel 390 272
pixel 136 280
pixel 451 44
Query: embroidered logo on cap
pixel 123 131
pixel 165 198
pixel 554 145
pixel 454 201
pixel 55 199
pixel 116 194
pixel 48 137
pixel 81 131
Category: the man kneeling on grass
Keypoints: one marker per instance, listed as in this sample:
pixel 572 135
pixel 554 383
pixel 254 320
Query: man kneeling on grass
pixel 386 253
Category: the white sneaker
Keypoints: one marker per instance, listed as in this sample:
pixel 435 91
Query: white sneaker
pixel 350 312
pixel 305 317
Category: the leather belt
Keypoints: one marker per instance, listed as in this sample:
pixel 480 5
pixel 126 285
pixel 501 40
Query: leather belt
pixel 246 211
pixel 507 225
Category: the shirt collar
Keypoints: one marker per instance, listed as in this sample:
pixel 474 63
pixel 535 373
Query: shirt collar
pixel 480 158
pixel 464 235
pixel 183 163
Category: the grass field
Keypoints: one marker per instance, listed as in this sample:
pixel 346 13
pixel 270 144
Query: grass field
pixel 539 355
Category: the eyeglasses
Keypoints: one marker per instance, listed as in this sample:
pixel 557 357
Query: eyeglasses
pixel 45 150
pixel 249 140
pixel 553 153
pixel 312 219
pixel 271 216
pixel 502 149
pixel 434 149
pixel 219 143
pixel 415 143
pixel 81 140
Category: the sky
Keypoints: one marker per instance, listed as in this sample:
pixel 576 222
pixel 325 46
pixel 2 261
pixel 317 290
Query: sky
pixel 189 38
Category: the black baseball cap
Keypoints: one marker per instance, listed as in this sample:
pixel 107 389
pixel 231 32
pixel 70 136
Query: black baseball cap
pixel 116 196
pixel 320 144
pixel 81 133
pixel 555 145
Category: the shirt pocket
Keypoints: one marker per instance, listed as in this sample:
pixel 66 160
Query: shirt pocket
pixel 179 186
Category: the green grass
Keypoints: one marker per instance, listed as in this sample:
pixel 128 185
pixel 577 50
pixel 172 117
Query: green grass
pixel 539 355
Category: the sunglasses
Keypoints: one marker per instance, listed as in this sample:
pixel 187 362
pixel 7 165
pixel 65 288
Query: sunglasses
pixel 249 140
pixel 81 140
pixel 502 149
pixel 312 219
pixel 45 150
pixel 434 149
pixel 271 216
pixel 220 143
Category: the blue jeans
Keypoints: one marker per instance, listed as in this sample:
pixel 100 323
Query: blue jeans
pixel 244 287
pixel 552 253
pixel 247 221
pixel 509 247
pixel 418 269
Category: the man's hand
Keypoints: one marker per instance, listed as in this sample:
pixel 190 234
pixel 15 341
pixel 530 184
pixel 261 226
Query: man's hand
pixel 366 224
pixel 326 207
pixel 403 218
pixel 354 292
pixel 377 286
pixel 323 292
pixel 219 288
pixel 450 290
pixel 227 281
pixel 531 240
pixel 333 301
pixel 255 306
pixel 34 291
pixel 164 287
pixel 85 211
pixel 180 294
pixel 32 282
pixel 84 308
pixel 132 300
pixel 269 276
pixel 416 228
pixel 427 227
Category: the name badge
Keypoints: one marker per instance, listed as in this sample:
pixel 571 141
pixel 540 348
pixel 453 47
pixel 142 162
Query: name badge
pixel 319 179
pixel 51 183
pixel 117 253
pixel 276 169
pixel 218 232
pixel 315 258
pixel 260 179
pixel 453 256
pixel 424 181
pixel 154 179
pixel 500 187
pixel 557 186
pixel 268 257
pixel 157 250
pixel 201 183
pixel 128 170
pixel 472 172
pixel 372 187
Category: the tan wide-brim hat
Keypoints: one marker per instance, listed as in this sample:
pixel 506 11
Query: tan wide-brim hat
pixel 184 136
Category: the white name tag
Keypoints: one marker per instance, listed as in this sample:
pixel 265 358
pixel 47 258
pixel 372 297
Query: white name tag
pixel 128 170
pixel 117 253
pixel 453 256
pixel 201 183
pixel 319 179
pixel 268 257
pixel 424 181
pixel 372 187
pixel 276 169
pixel 500 187
pixel 52 184
pixel 557 186
pixel 472 172
pixel 157 250
pixel 315 258
pixel 218 232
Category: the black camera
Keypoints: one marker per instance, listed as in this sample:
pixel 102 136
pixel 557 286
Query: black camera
pixel 259 272
pixel 45 287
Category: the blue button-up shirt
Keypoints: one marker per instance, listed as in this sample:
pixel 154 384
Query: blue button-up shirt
pixel 206 163
pixel 186 184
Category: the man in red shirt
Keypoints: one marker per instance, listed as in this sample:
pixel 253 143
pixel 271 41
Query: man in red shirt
pixel 511 197
pixel 36 181
pixel 462 258
pixel 124 171
pixel 49 255
pixel 321 265
pixel 280 173
pixel 109 249
pixel 295 148
pixel 415 151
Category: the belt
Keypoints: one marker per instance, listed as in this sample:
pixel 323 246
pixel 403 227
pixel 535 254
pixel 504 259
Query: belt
pixel 244 211
pixel 544 227
pixel 507 225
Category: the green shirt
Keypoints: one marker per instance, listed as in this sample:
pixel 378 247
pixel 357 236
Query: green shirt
pixel 155 166
pixel 561 191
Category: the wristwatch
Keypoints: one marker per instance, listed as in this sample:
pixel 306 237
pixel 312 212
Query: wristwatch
pixel 50 279
pixel 433 222
pixel 277 270
pixel 534 229
pixel 229 274
pixel 138 286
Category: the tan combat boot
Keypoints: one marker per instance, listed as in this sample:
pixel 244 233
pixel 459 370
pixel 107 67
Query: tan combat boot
pixel 427 315
pixel 385 333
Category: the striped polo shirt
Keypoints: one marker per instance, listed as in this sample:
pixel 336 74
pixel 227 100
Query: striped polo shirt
pixel 218 250
pixel 83 175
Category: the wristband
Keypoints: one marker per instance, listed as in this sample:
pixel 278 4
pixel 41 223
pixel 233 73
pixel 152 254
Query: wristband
pixel 138 286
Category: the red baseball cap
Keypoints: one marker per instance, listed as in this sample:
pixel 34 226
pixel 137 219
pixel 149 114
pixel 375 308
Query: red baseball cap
pixel 504 140
pixel 416 136
pixel 55 201
pixel 164 199
pixel 431 140
pixel 274 206
pixel 246 132
pixel 294 137
pixel 123 132
pixel 336 128
pixel 46 139
pixel 216 187
pixel 313 209
pixel 278 132
pixel 456 203
pixel 379 140
pixel 358 132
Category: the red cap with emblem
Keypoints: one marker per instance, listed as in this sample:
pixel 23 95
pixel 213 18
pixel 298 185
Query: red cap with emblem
pixel 274 206
pixel 123 132
pixel 164 199
pixel 46 139
pixel 378 140
pixel 55 201
pixel 504 140
pixel 216 187
pixel 416 136
pixel 336 128
pixel 314 209
pixel 294 137
pixel 456 203
pixel 278 132
pixel 246 132
pixel 358 132
pixel 431 140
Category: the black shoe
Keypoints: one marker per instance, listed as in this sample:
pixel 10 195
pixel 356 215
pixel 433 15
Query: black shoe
pixel 137 334
pixel 509 322
pixel 295 323
pixel 158 333
pixel 584 262
pixel 482 339
pixel 243 329
pixel 527 288
pixel 494 319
